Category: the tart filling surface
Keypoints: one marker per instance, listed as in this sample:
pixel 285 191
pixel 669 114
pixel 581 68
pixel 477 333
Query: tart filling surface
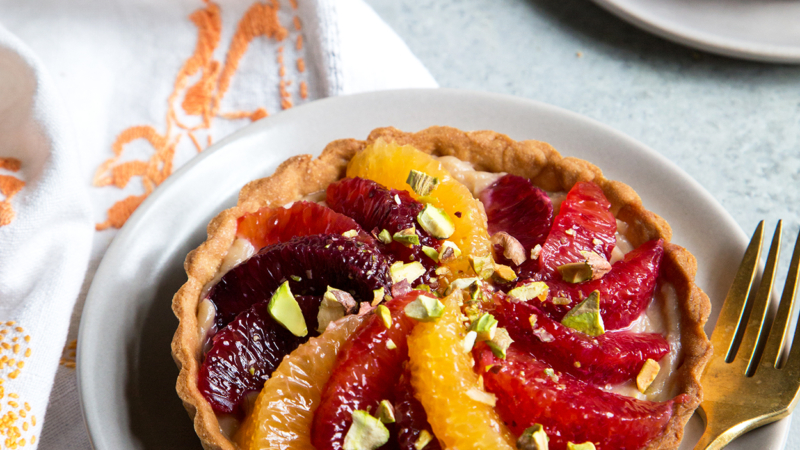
pixel 439 289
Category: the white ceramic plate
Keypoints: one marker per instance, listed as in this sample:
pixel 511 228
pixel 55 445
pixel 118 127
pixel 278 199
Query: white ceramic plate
pixel 761 30
pixel 125 370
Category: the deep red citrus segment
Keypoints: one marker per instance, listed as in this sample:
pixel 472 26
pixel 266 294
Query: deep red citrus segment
pixel 366 372
pixel 377 208
pixel 569 410
pixel 310 264
pixel 625 291
pixel 583 223
pixel 411 417
pixel 514 205
pixel 269 226
pixel 610 358
pixel 244 354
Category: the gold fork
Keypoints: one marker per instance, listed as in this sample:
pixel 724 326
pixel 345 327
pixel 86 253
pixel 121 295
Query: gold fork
pixel 747 384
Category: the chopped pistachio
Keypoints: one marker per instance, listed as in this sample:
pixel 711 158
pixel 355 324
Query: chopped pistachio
pixel 584 446
pixel 436 222
pixel 529 291
pixel 350 233
pixel 425 308
pixel 485 327
pixel 377 296
pixel 329 311
pixel 532 319
pixel 342 297
pixel 252 370
pixel 561 301
pixel 364 308
pixel 482 396
pixel 409 272
pixel 600 266
pixel 431 253
pixel 463 283
pixel 536 251
pixel 366 432
pixel 295 277
pixel 482 265
pixel 407 237
pixel 390 344
pixel 421 183
pixel 569 231
pixel 533 438
pixel 385 237
pixel 424 439
pixel 386 412
pixel 504 273
pixel 469 341
pixel 423 287
pixel 385 315
pixel 585 316
pixel 449 252
pixel 576 272
pixel 543 335
pixel 397 199
pixel 596 241
pixel 442 271
pixel 577 364
pixel 512 249
pixel 647 375
pixel 500 343
pixel 285 310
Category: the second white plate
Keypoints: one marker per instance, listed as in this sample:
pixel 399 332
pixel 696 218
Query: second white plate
pixel 760 30
pixel 125 372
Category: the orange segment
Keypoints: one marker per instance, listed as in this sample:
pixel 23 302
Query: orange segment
pixel 446 385
pixel 284 409
pixel 389 165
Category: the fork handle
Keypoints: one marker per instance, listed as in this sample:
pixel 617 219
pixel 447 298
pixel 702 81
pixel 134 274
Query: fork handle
pixel 722 430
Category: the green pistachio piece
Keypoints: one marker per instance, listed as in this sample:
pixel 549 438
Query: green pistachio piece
pixel 503 273
pixel 342 297
pixel 482 265
pixel 329 311
pixel 285 310
pixel 576 272
pixel 431 253
pixel 533 438
pixel 584 446
pixel 295 278
pixel 386 412
pixel 423 287
pixel 407 237
pixel 561 301
pixel 469 341
pixel 485 327
pixel 529 291
pixel 585 316
pixel 600 266
pixel 390 344
pixel 424 439
pixel 377 296
pixel 385 315
pixel 536 251
pixel 425 308
pixel 421 183
pixel 366 432
pixel 442 271
pixel 409 272
pixel 500 343
pixel 385 237
pixel 436 222
pixel 350 233
pixel 449 252
pixel 647 375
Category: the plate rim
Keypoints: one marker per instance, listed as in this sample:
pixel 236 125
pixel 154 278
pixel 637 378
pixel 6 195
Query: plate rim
pixel 267 124
pixel 701 40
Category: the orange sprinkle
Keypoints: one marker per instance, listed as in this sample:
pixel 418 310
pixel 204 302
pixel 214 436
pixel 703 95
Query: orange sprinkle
pixel 19 329
pixel 301 65
pixel 4 331
pixel 297 23
pixel 293 3
pixel 33 438
pixel 13 395
pixel 27 338
pixel 16 348
pixel 13 375
pixel 27 353
pixel 303 90
pixel 299 45
pixel 27 406
pixel 33 420
pixel 11 323
pixel 25 425
pixel 13 404
pixel 6 345
pixel 15 339
pixel 21 364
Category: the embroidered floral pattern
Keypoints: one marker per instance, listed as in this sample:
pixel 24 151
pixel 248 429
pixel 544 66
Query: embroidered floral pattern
pixel 9 186
pixel 16 420
pixel 201 100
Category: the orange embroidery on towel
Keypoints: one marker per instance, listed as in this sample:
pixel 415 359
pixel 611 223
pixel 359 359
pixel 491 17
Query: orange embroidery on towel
pixel 15 424
pixel 201 101
pixel 9 186
pixel 69 354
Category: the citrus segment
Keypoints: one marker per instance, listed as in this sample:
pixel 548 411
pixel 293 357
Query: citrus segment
pixel 448 388
pixel 389 164
pixel 284 409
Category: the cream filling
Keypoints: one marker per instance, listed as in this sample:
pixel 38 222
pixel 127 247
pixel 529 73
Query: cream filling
pixel 463 172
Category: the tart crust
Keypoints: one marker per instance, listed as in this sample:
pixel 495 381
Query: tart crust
pixel 487 151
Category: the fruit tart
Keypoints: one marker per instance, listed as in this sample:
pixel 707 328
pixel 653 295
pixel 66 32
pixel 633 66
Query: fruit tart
pixel 439 289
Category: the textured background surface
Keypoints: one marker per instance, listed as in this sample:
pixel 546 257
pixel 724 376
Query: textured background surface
pixel 732 125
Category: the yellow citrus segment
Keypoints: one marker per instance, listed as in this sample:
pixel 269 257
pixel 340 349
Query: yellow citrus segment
pixel 443 377
pixel 389 164
pixel 283 412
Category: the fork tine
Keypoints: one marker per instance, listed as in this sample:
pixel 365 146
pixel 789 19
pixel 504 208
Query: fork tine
pixel 789 295
pixel 753 339
pixel 728 322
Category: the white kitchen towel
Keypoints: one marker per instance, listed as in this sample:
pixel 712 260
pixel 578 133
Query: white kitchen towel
pixel 147 84
pixel 45 239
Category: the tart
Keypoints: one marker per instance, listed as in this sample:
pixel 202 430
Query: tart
pixel 462 289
